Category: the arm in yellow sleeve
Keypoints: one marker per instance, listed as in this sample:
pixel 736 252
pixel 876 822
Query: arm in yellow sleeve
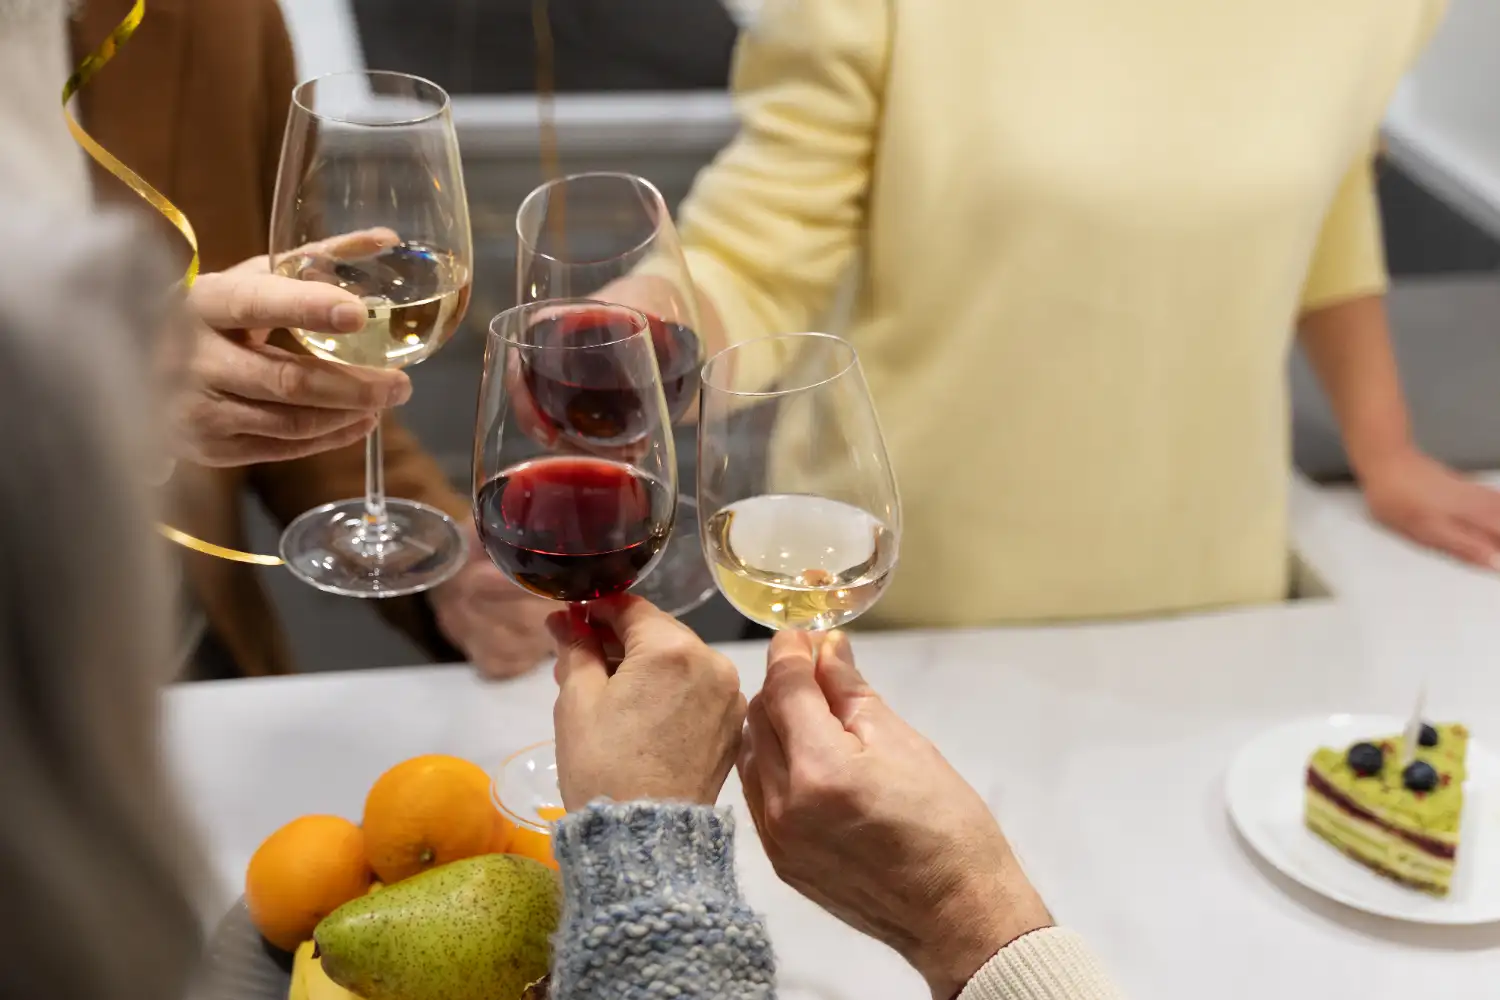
pixel 773 223
pixel 1343 326
pixel 1349 262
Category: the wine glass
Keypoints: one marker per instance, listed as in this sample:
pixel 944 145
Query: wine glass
pixel 370 197
pixel 575 472
pixel 582 235
pixel 800 525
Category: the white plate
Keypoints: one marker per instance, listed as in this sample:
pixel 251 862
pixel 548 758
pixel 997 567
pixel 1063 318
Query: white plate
pixel 1265 791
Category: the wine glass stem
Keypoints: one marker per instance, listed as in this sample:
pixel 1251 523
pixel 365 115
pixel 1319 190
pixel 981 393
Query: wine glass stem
pixel 376 530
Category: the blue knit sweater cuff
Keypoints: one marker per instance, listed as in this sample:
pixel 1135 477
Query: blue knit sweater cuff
pixel 613 853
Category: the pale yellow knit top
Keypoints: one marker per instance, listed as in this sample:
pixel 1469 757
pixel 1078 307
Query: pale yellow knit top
pixel 1082 232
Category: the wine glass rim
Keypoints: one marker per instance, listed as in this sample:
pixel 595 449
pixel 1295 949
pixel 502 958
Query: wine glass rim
pixel 548 185
pixel 497 780
pixel 850 364
pixel 437 112
pixel 499 326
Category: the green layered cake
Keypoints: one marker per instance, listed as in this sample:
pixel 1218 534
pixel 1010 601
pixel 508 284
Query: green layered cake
pixel 1401 821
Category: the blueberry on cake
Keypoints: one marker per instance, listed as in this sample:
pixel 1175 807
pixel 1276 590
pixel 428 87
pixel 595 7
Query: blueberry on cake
pixel 1401 821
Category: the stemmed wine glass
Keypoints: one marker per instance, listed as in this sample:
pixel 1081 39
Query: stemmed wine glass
pixel 575 473
pixel 370 197
pixel 603 235
pixel 800 525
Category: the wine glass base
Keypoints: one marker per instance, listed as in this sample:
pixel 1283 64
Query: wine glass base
pixel 681 580
pixel 331 548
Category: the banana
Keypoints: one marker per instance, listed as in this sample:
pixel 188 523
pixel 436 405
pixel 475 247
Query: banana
pixel 310 982
pixel 300 963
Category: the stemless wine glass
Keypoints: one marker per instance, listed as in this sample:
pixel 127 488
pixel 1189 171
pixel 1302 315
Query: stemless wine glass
pixel 370 197
pixel 801 526
pixel 579 236
pixel 575 474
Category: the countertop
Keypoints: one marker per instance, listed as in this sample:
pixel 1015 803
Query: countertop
pixel 1102 748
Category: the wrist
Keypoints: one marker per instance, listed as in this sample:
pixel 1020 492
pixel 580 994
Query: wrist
pixel 1372 461
pixel 612 852
pixel 975 923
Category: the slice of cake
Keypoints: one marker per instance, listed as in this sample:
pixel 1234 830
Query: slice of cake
pixel 1401 821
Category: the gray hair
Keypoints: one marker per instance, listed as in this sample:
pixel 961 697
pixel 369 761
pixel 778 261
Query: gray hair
pixel 96 867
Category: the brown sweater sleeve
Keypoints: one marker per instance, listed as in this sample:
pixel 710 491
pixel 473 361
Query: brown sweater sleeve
pixel 289 488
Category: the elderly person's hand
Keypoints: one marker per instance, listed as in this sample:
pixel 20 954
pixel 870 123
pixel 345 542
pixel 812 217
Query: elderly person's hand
pixel 665 725
pixel 248 402
pixel 861 814
pixel 499 627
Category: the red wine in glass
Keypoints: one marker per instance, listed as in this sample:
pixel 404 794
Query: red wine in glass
pixel 679 355
pixel 572 528
pixel 588 394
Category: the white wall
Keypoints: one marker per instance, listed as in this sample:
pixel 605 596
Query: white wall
pixel 1444 125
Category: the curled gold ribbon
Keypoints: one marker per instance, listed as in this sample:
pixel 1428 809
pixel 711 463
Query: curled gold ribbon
pixel 85 72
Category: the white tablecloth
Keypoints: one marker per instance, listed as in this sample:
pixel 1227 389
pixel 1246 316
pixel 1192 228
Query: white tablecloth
pixel 1102 749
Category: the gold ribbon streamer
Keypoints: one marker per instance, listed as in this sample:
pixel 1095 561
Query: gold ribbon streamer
pixel 85 72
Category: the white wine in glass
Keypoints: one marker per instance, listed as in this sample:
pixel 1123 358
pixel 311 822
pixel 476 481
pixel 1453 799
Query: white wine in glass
pixel 801 526
pixel 370 197
pixel 416 296
pixel 793 561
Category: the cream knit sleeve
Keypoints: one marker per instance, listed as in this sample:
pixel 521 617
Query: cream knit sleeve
pixel 772 224
pixel 1051 964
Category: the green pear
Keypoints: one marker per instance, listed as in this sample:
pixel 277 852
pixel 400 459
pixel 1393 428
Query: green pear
pixel 477 929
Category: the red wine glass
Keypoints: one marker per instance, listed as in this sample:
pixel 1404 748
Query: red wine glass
pixel 575 472
pixel 610 236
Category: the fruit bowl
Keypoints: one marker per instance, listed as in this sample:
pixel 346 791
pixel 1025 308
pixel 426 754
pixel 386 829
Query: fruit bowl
pixel 525 788
pixel 239 965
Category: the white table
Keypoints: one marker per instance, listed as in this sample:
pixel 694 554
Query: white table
pixel 1102 749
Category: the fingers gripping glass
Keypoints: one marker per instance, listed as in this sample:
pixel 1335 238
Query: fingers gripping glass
pixel 575 475
pixel 800 518
pixel 370 197
pixel 610 236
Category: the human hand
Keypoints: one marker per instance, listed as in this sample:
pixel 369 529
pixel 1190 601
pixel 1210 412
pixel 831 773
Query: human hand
pixel 501 628
pixel 665 725
pixel 1432 504
pixel 862 815
pixel 248 402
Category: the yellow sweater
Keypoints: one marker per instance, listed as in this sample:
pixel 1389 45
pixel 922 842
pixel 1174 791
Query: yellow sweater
pixel 1082 232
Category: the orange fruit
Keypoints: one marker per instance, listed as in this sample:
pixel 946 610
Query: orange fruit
pixel 533 844
pixel 504 831
pixel 528 843
pixel 427 812
pixel 303 872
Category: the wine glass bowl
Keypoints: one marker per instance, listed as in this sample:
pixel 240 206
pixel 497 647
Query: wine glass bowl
pixel 525 790
pixel 370 197
pixel 801 526
pixel 583 234
pixel 575 474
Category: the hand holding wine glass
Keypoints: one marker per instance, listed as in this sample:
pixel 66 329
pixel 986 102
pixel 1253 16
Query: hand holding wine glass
pixel 248 401
pixel 665 724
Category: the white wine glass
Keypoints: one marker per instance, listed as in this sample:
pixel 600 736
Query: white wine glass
pixel 370 197
pixel 801 526
pixel 600 235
